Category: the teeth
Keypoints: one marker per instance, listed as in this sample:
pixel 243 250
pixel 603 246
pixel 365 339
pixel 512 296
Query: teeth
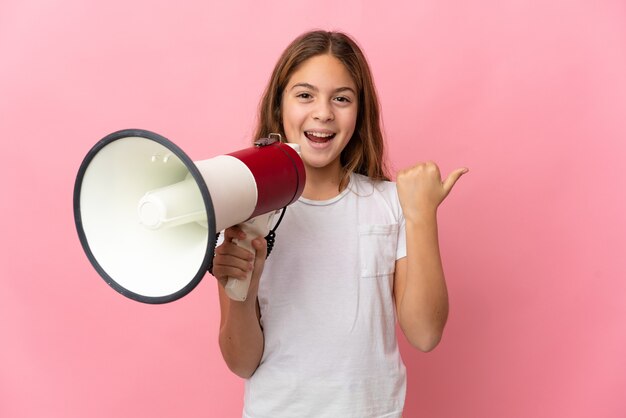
pixel 320 135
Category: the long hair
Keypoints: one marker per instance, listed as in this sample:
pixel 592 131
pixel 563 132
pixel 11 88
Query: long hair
pixel 364 153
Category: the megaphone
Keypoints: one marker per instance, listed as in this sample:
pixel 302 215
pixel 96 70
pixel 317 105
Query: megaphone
pixel 147 215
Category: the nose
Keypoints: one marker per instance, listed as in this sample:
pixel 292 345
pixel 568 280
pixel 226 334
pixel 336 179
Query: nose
pixel 323 112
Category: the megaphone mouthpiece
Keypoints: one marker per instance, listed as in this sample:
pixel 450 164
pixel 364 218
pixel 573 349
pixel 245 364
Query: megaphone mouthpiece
pixel 172 205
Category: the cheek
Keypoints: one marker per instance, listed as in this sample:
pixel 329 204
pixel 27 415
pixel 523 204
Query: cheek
pixel 291 119
pixel 288 125
pixel 350 123
pixel 289 130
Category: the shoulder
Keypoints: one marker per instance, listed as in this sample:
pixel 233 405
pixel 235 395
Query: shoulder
pixel 380 196
pixel 364 186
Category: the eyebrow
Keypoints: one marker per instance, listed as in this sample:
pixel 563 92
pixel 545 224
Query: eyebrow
pixel 312 87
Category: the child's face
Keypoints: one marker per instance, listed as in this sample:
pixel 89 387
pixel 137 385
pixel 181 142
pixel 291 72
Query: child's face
pixel 320 110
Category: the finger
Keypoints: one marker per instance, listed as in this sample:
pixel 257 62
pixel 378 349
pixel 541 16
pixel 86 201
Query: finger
pixel 260 245
pixel 233 261
pixel 227 272
pixel 234 232
pixel 452 178
pixel 234 250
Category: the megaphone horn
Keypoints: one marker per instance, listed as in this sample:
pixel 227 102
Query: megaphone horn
pixel 147 215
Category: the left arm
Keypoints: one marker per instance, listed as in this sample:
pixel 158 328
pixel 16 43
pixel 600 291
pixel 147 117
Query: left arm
pixel 419 282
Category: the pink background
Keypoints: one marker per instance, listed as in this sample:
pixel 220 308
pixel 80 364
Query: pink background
pixel 530 95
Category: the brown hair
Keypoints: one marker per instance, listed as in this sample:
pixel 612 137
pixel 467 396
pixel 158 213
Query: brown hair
pixel 364 153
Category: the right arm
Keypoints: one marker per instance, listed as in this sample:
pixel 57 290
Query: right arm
pixel 240 336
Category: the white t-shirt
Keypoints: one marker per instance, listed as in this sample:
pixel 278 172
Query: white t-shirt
pixel 327 309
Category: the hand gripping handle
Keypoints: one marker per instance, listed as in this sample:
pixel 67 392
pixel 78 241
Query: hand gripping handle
pixel 259 226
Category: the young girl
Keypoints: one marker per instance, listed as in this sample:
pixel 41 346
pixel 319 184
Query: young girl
pixel 316 335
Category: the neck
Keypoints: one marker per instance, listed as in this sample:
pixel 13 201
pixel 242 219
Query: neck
pixel 322 183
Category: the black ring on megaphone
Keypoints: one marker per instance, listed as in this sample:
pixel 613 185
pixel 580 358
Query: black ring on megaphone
pixel 206 197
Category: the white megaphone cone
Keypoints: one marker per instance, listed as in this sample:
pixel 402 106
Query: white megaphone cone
pixel 147 215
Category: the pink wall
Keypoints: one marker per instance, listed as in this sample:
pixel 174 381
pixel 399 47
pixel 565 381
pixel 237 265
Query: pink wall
pixel 530 95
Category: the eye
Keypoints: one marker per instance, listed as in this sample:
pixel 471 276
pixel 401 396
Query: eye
pixel 343 99
pixel 304 96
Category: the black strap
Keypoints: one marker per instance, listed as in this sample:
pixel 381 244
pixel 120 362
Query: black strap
pixel 271 237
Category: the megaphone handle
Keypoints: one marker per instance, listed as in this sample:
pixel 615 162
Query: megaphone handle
pixel 258 226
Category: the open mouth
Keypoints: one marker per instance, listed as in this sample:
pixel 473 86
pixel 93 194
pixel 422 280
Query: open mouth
pixel 319 137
